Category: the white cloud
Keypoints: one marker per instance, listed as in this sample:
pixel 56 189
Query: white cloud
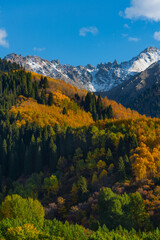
pixel 157 36
pixel 147 9
pixel 133 39
pixel 126 26
pixel 3 40
pixel 85 30
pixel 38 49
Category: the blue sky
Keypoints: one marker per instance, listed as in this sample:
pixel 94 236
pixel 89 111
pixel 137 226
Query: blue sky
pixel 79 32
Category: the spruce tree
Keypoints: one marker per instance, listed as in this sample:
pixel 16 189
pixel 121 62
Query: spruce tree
pixel 110 114
pixel 38 160
pixel 45 83
pixel 127 166
pixel 99 107
pixel 121 169
pixel 4 157
pixel 50 99
pixel 43 97
pixel 64 111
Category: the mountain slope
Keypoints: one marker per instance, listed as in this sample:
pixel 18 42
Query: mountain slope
pixel 101 78
pixel 141 93
pixel 64 97
pixel 71 167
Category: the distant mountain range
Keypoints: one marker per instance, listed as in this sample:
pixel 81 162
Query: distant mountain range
pixel 140 92
pixel 102 78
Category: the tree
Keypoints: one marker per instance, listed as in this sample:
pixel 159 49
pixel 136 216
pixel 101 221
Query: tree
pixel 127 166
pixel 19 117
pixel 28 163
pixel 143 163
pixel 61 207
pixel 61 164
pixel 4 157
pixel 26 231
pixel 50 99
pixel 110 112
pixel 87 102
pixel 78 155
pixel 121 169
pixel 99 106
pixel 82 185
pixel 94 181
pixel 12 166
pixel 121 147
pixel 103 176
pixel 136 215
pixel 110 208
pixel 43 97
pixel 30 210
pixel 51 185
pixel 52 155
pixel 74 194
pixel 38 160
pixel 45 83
pixel 101 165
pixel 64 111
pixel 109 157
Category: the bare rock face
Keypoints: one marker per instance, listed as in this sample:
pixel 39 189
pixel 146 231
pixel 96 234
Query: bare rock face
pixel 140 92
pixel 102 78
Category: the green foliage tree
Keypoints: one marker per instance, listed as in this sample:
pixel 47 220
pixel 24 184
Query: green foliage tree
pixel 126 210
pixel 51 185
pixel 82 185
pixel 15 206
pixel 136 215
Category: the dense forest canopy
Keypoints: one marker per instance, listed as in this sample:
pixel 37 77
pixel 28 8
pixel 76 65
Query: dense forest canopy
pixel 85 167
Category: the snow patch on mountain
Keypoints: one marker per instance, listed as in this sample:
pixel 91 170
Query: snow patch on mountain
pixel 101 78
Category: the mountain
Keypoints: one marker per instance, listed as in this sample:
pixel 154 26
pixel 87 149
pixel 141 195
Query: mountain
pixel 141 92
pixel 62 152
pixel 101 78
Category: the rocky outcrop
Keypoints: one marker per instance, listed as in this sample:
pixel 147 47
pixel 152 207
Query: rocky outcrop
pixel 101 78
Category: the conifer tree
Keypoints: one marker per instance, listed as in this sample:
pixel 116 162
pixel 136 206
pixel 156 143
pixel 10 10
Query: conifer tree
pixel 38 160
pixel 64 111
pixel 50 99
pixel 127 166
pixel 43 97
pixel 121 169
pixel 4 157
pixel 99 106
pixel 45 83
pixel 110 112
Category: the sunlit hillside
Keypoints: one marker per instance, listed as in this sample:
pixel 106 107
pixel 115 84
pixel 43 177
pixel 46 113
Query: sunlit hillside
pixel 65 89
pixel 119 111
pixel 43 115
pixel 56 84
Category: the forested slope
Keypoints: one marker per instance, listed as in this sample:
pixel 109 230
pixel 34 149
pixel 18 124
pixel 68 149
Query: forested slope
pixel 88 160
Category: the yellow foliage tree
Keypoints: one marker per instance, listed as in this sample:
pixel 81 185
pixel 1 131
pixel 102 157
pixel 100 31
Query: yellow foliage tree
pixel 143 163
pixel 27 231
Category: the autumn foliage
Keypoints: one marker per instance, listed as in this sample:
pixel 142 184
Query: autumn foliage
pixel 119 111
pixel 33 112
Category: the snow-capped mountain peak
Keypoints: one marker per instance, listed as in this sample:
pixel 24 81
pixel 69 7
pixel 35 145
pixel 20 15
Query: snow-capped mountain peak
pixel 101 78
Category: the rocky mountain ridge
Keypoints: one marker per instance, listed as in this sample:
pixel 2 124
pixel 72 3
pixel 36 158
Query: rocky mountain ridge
pixel 103 77
pixel 140 92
